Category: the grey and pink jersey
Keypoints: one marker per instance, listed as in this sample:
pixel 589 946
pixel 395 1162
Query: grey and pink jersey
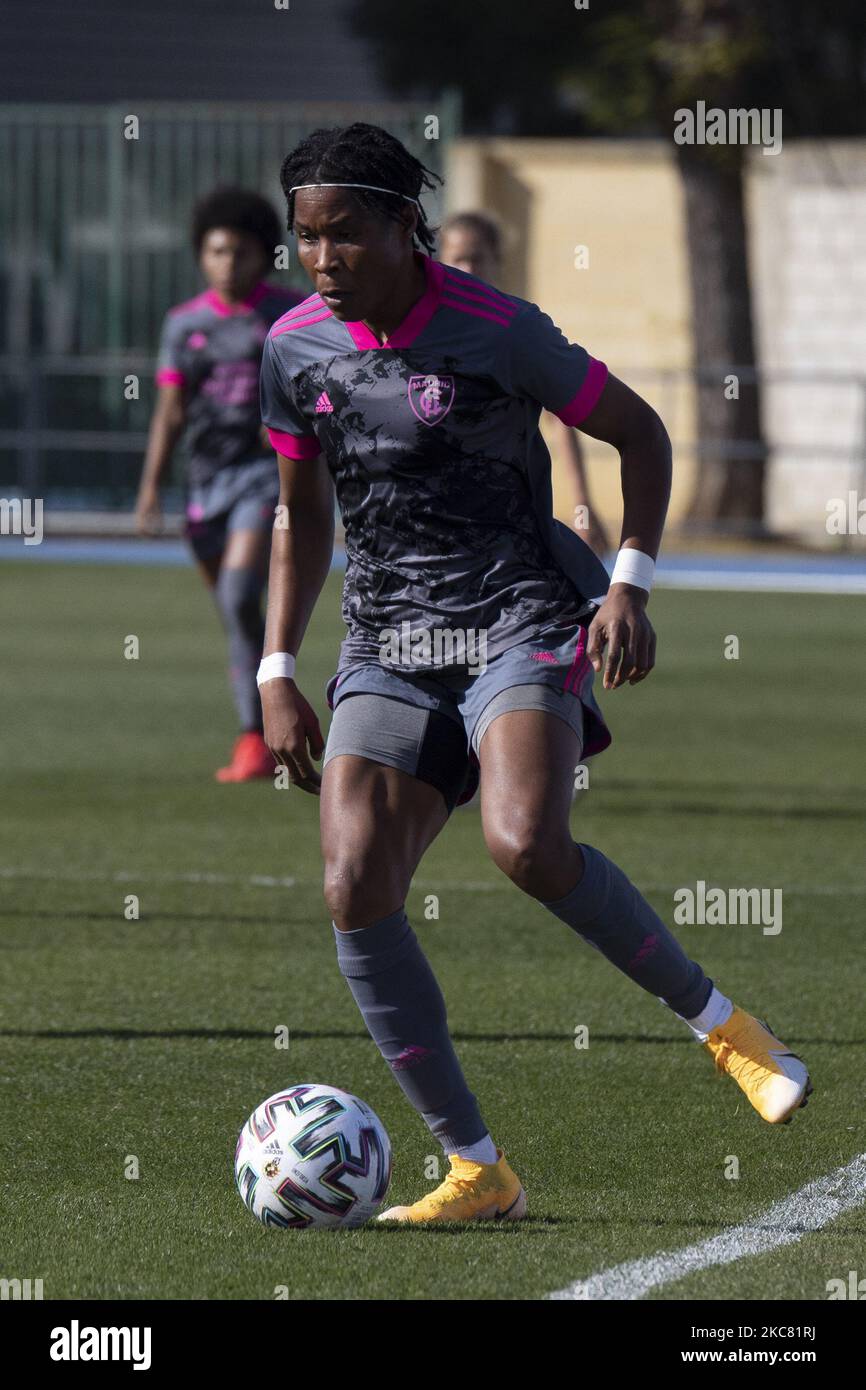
pixel 214 350
pixel 441 472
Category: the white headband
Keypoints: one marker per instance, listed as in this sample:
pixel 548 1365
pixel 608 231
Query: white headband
pixel 371 186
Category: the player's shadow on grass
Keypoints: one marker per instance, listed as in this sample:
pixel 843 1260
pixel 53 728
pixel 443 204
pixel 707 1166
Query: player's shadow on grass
pixel 714 787
pixel 299 1035
pixel 527 1226
pixel 356 1035
pixel 232 919
pixel 539 1222
pixel 738 809
pixel 644 794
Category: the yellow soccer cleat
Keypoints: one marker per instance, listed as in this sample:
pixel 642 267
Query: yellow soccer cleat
pixel 774 1079
pixel 470 1192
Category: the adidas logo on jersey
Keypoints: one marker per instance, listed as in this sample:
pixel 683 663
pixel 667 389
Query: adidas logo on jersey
pixel 323 405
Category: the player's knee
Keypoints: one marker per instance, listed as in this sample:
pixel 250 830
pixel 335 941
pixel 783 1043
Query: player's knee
pixel 529 851
pixel 239 595
pixel 359 892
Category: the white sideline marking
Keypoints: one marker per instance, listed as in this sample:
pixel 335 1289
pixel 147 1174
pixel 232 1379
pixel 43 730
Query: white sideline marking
pixel 784 1223
pixel 434 885
pixel 761 581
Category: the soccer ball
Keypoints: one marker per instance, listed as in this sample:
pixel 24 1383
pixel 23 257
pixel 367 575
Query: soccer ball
pixel 313 1157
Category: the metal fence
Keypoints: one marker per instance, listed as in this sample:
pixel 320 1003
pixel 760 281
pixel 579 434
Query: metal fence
pixel 65 449
pixel 94 248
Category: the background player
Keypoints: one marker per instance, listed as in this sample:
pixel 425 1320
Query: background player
pixel 448 521
pixel 472 241
pixel 208 387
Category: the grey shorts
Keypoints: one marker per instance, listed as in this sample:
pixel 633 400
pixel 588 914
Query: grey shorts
pixel 239 498
pixel 432 725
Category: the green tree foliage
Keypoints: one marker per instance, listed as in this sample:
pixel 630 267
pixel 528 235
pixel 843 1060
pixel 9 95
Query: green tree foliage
pixel 624 67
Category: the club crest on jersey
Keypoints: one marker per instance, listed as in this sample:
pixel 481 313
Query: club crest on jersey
pixel 431 397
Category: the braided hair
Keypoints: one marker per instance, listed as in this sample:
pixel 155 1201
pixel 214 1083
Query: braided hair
pixel 240 209
pixel 361 153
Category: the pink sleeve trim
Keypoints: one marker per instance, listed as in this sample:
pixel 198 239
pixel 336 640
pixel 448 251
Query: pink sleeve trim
pixel 169 376
pixel 295 446
pixel 587 397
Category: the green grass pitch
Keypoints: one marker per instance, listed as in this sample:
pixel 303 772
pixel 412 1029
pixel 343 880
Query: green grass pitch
pixel 155 1038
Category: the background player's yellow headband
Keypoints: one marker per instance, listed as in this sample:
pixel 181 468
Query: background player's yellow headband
pixel 371 186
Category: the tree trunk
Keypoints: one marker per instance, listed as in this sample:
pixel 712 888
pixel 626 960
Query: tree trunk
pixel 729 488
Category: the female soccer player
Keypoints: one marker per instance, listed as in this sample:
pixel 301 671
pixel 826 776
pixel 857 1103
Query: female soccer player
pixel 471 241
pixel 417 389
pixel 208 385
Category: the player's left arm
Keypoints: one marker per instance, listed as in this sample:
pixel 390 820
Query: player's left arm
pixel 622 418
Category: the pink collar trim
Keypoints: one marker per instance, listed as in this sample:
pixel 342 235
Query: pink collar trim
pixel 228 310
pixel 417 318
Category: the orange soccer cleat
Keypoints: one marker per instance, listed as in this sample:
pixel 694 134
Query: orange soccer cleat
pixel 775 1079
pixel 470 1192
pixel 251 758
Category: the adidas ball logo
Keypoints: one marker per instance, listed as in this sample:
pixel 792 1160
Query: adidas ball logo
pixel 323 405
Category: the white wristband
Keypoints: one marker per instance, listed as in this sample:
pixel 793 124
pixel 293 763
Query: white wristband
pixel 277 664
pixel 633 567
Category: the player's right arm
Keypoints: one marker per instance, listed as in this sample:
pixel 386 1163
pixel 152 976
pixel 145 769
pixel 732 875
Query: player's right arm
pixel 301 550
pixel 166 427
pixel 168 419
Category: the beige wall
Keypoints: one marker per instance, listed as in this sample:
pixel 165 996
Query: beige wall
pixel 621 200
pixel 808 257
pixel 806 215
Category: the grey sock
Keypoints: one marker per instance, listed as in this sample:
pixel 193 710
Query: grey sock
pixel 607 910
pixel 402 1005
pixel 238 595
